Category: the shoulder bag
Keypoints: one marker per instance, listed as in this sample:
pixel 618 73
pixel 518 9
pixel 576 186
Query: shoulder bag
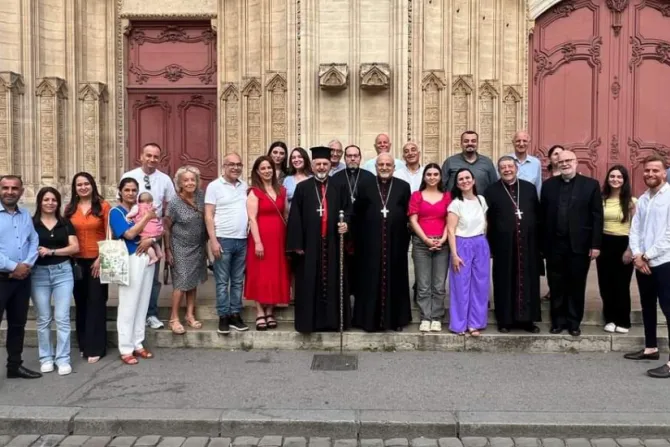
pixel 114 258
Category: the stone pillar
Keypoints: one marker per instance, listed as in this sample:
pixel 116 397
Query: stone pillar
pixel 11 147
pixel 91 144
pixel 51 95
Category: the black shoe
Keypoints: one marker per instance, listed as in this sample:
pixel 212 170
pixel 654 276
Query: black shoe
pixel 640 355
pixel 224 327
pixel 237 323
pixel 503 330
pixel 22 373
pixel 532 329
pixel 555 330
pixel 662 372
pixel 575 332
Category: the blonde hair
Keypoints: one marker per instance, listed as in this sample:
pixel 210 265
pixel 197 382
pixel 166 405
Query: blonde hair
pixel 183 170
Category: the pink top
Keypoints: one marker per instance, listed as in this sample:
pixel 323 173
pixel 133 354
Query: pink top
pixel 432 216
pixel 153 228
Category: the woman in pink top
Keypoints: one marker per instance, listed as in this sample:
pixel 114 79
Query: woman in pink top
pixel 428 217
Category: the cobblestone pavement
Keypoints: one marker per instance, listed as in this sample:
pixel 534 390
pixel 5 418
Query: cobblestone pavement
pixel 279 441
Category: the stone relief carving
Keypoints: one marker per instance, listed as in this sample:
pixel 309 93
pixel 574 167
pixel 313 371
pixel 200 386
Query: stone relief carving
pixel 409 68
pixel 616 87
pixel 433 78
pixel 564 9
pixel 230 99
pixel 169 9
pixel 253 121
pixel 375 76
pixel 276 88
pixel 11 92
pixel 614 147
pixel 487 113
pixel 462 106
pixel 93 96
pixel 432 86
pixel 617 7
pixel 512 103
pixel 52 94
pixel 333 76
pixel 663 52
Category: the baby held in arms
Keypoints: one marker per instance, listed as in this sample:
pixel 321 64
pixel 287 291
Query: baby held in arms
pixel 153 229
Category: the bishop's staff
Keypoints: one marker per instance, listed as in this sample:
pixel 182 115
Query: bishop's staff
pixel 341 284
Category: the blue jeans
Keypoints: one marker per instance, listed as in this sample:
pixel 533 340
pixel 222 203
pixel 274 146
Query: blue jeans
pixel 57 281
pixel 229 276
pixel 155 289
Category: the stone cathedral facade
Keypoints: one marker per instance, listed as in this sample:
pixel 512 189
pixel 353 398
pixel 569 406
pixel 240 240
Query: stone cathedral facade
pixel 84 83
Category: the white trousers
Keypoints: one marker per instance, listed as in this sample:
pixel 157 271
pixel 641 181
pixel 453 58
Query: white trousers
pixel 134 303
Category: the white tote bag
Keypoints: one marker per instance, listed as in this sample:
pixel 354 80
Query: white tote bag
pixel 114 258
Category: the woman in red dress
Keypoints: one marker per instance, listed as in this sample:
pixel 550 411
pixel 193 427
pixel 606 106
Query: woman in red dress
pixel 267 276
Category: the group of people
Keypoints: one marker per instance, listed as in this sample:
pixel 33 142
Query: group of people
pixel 336 235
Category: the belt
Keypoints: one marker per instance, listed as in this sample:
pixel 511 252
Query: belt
pixel 4 276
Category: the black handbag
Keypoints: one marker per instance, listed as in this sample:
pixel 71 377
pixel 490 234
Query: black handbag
pixel 76 271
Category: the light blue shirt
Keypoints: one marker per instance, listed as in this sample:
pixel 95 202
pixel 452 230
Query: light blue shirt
pixel 340 166
pixel 371 166
pixel 18 239
pixel 289 186
pixel 530 170
pixel 650 227
pixel 668 174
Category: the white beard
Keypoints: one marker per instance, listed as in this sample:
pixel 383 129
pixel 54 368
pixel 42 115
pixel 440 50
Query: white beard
pixel 321 176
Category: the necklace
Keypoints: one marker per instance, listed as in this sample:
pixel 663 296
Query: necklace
pixel 518 212
pixel 385 210
pixel 319 198
pixel 353 190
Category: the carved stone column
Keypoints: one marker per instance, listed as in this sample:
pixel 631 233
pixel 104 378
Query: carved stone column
pixel 51 95
pixel 93 157
pixel 11 93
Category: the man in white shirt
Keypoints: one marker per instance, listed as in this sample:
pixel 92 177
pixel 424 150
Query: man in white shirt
pixel 529 167
pixel 412 172
pixel 160 186
pixel 336 152
pixel 382 144
pixel 650 245
pixel 227 223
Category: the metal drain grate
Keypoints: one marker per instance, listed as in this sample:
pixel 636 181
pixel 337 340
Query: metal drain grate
pixel 334 362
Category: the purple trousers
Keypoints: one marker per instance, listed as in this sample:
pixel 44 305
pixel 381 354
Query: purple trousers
pixel 469 288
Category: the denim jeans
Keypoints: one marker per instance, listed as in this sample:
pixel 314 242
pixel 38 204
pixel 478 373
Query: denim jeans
pixel 430 271
pixel 229 276
pixel 155 289
pixel 53 281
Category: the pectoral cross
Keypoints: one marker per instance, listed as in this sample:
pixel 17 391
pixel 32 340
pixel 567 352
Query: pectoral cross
pixel 320 210
pixel 353 199
pixel 385 212
pixel 518 213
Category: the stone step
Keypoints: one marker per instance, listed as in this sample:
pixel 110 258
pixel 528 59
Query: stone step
pixel 593 339
pixel 206 311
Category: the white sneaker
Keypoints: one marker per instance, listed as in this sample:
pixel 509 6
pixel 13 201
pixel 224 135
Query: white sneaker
pixel 424 326
pixel 609 327
pixel 436 326
pixel 47 367
pixel 155 323
pixel 621 330
pixel 64 370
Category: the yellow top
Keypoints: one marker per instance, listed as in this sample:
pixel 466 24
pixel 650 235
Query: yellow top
pixel 613 216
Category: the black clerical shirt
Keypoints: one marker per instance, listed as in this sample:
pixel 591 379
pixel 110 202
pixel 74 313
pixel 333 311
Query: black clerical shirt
pixel 564 197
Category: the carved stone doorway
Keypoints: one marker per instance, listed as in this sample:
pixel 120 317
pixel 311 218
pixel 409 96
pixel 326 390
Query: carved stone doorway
pixel 597 82
pixel 171 91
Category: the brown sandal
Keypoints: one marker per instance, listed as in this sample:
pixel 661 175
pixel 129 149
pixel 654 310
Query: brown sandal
pixel 129 359
pixel 193 323
pixel 176 327
pixel 144 353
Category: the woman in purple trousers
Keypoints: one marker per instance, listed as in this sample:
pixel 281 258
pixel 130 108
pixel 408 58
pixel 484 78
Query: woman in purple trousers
pixel 470 270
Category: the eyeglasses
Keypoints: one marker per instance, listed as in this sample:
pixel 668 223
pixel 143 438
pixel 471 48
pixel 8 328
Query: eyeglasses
pixel 234 165
pixel 147 183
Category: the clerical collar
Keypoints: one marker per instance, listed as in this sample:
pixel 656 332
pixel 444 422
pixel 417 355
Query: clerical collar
pixel 570 180
pixel 324 181
pixel 510 185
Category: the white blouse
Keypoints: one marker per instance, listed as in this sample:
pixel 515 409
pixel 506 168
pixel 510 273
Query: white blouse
pixel 471 216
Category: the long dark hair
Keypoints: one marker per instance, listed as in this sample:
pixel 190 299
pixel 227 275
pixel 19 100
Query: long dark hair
pixel 305 157
pixel 456 193
pixel 625 194
pixel 550 168
pixel 96 198
pixel 256 179
pixel 38 201
pixel 284 166
pixel 440 185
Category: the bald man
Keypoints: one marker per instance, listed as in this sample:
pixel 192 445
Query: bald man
pixel 571 209
pixel 529 168
pixel 382 145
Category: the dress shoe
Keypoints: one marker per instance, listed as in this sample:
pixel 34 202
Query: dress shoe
pixel 662 372
pixel 575 332
pixel 640 355
pixel 22 373
pixel 555 330
pixel 532 329
pixel 503 330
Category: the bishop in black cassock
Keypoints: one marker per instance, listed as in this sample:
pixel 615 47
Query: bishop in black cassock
pixel 381 242
pixel 513 237
pixel 313 243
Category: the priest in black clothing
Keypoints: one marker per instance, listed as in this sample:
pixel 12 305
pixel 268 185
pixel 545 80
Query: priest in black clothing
pixel 513 236
pixel 313 242
pixel 381 242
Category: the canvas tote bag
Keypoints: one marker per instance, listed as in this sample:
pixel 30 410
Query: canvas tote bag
pixel 114 258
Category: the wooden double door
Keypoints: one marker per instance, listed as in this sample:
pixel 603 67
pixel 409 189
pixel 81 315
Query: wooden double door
pixel 599 83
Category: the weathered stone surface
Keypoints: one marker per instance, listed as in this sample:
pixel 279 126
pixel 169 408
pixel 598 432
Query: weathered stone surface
pixel 172 441
pixel 18 420
pixel 526 442
pixel 397 442
pixel 270 441
pixel 656 442
pixel 98 441
pixel 74 441
pixel 149 440
pixel 577 442
pixel 196 441
pixel 449 442
pixel 219 442
pixel 629 442
pixel 371 443
pixel 319 442
pixel 48 441
pixel 4 440
pixel 245 441
pixel 423 442
pixel 295 441
pixel 604 442
pixel 501 442
pixel 473 441
pixel 123 441
pixel 552 442
pixel 345 443
pixel 23 441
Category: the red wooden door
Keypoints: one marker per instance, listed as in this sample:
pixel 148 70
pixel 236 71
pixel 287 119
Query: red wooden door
pixel 596 82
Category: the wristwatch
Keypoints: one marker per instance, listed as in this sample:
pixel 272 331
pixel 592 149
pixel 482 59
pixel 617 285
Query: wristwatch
pixel 53 252
pixel 645 258
pixel 153 239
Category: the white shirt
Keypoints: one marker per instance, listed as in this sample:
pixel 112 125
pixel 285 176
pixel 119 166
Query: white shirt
pixel 650 228
pixel 471 216
pixel 413 178
pixel 161 186
pixel 230 208
pixel 371 166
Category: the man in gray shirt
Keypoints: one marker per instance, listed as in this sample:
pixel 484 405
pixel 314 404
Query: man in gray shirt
pixel 480 165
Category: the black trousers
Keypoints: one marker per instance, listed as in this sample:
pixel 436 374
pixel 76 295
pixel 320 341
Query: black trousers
pixel 653 287
pixel 567 273
pixel 90 298
pixel 614 280
pixel 15 300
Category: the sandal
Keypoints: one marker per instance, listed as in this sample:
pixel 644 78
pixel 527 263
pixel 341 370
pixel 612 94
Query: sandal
pixel 92 360
pixel 129 359
pixel 272 323
pixel 176 327
pixel 144 353
pixel 261 325
pixel 193 323
pixel 474 333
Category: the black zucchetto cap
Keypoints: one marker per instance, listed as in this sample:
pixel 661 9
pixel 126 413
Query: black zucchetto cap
pixel 322 152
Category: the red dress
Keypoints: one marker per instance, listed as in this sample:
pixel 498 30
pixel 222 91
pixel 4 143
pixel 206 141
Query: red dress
pixel 268 280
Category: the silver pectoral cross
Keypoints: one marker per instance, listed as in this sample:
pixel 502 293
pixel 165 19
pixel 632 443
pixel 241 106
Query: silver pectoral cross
pixel 320 210
pixel 519 213
pixel 353 199
pixel 385 212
